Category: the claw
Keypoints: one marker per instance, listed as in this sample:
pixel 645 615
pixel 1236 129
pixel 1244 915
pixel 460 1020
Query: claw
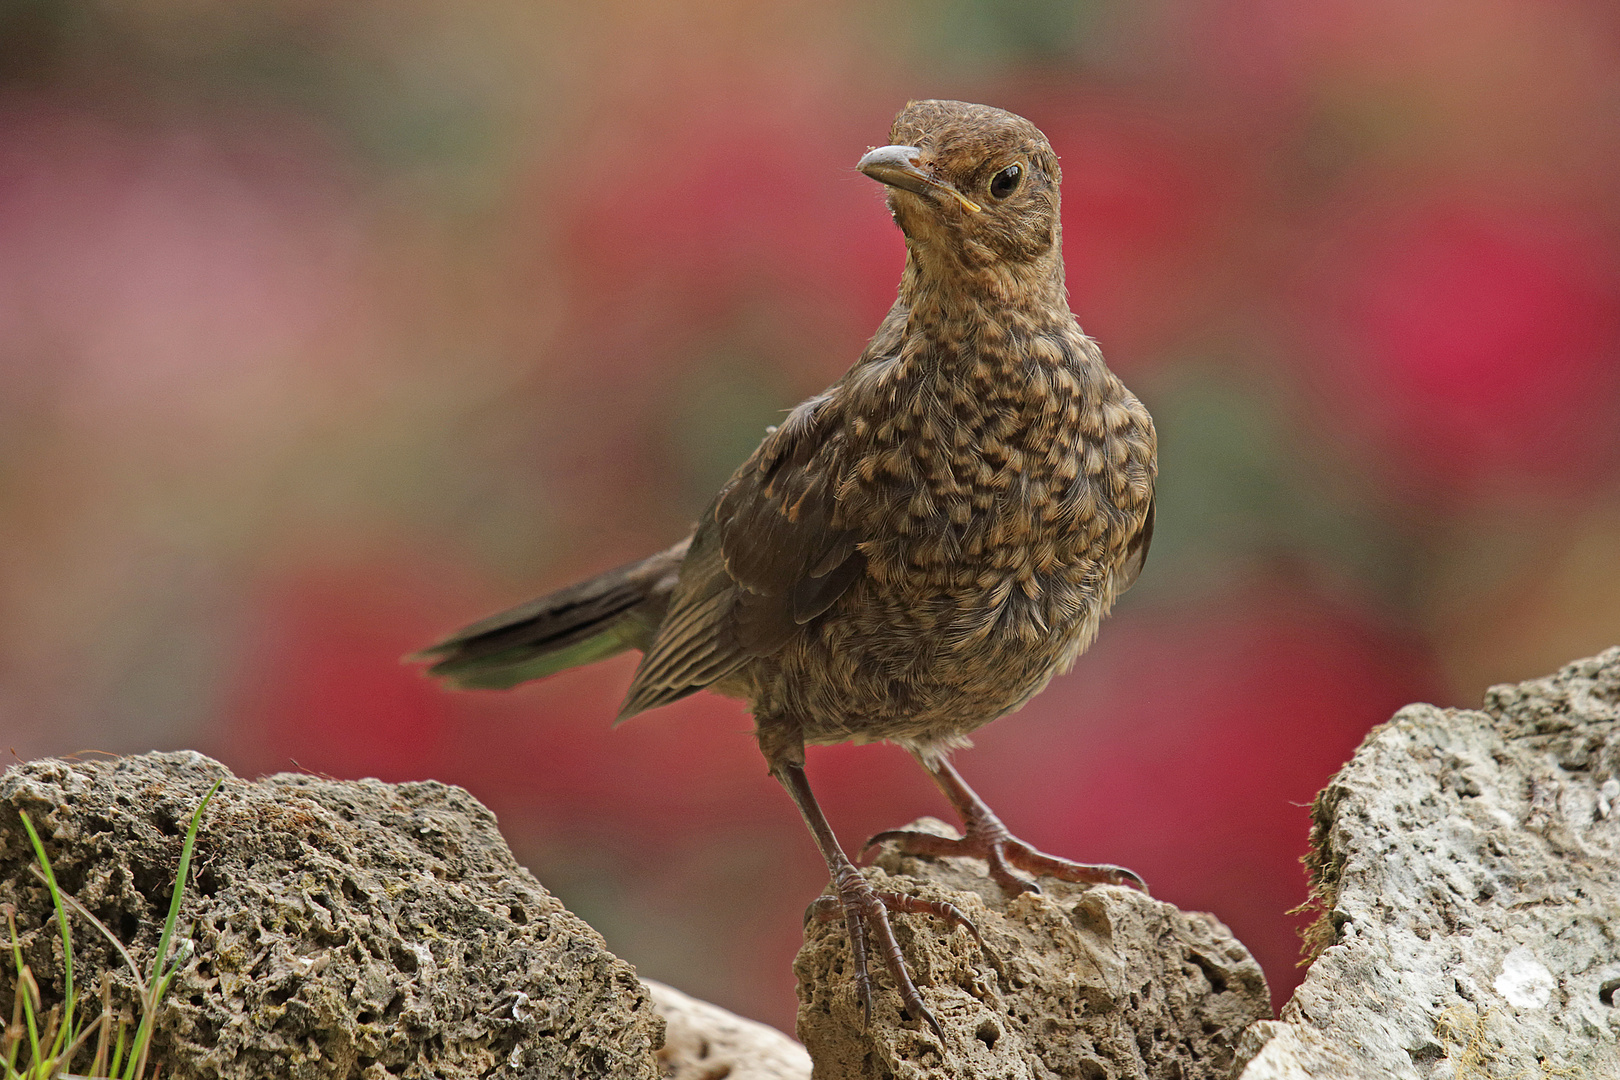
pixel 1004 854
pixel 891 834
pixel 823 908
pixel 855 924
pixel 939 1032
pixel 985 837
pixel 939 909
pixel 865 912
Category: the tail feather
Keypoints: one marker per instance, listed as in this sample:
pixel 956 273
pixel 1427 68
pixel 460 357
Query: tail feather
pixel 583 623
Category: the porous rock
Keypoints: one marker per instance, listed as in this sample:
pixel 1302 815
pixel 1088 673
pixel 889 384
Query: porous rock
pixel 1468 867
pixel 1087 982
pixel 335 929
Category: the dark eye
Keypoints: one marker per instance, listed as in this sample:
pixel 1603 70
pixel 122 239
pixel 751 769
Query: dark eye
pixel 1005 182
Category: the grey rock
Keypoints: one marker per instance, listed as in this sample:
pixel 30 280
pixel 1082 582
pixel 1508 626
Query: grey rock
pixel 337 929
pixel 1468 866
pixel 1098 982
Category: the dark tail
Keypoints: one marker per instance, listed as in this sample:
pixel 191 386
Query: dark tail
pixel 583 623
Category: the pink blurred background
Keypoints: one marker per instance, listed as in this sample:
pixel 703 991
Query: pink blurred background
pixel 326 327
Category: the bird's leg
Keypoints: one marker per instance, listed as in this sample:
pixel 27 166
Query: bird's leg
pixel 987 838
pixel 865 910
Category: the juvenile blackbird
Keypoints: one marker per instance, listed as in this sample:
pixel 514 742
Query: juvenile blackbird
pixel 916 550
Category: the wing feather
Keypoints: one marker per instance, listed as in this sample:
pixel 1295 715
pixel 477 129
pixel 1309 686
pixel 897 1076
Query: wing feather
pixel 769 556
pixel 1137 552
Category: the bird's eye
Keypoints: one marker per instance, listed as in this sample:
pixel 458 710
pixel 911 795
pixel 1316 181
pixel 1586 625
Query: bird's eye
pixel 1005 182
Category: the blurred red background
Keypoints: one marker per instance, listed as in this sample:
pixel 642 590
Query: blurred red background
pixel 326 327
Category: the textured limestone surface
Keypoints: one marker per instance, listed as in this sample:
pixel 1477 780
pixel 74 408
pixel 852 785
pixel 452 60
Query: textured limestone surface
pixel 705 1042
pixel 1469 867
pixel 337 929
pixel 1093 983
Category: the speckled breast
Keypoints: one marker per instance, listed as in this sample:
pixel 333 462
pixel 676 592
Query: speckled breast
pixel 1003 498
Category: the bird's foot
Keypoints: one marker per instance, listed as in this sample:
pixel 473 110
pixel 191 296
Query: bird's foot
pixel 1006 853
pixel 865 912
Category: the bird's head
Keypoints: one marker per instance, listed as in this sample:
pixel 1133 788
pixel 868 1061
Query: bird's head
pixel 975 190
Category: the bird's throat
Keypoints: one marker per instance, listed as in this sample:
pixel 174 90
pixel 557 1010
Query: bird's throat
pixel 940 288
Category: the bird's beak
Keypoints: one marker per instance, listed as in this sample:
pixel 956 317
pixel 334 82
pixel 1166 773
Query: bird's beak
pixel 896 166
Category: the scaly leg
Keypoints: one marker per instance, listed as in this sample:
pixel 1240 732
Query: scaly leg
pixel 865 909
pixel 987 838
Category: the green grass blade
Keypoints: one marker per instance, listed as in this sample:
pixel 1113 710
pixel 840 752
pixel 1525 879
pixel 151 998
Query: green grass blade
pixel 27 989
pixel 118 1046
pixel 180 881
pixel 64 1035
pixel 160 978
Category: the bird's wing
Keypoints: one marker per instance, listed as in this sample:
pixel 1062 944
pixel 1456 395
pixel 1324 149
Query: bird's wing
pixel 768 557
pixel 1136 552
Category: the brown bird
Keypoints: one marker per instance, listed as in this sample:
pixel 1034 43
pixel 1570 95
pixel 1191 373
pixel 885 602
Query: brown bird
pixel 916 550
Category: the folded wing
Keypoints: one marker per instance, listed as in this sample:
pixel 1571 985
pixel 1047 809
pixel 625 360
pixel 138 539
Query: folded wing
pixel 769 556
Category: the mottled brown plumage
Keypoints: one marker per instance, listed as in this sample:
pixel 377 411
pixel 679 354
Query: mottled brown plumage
pixel 918 549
